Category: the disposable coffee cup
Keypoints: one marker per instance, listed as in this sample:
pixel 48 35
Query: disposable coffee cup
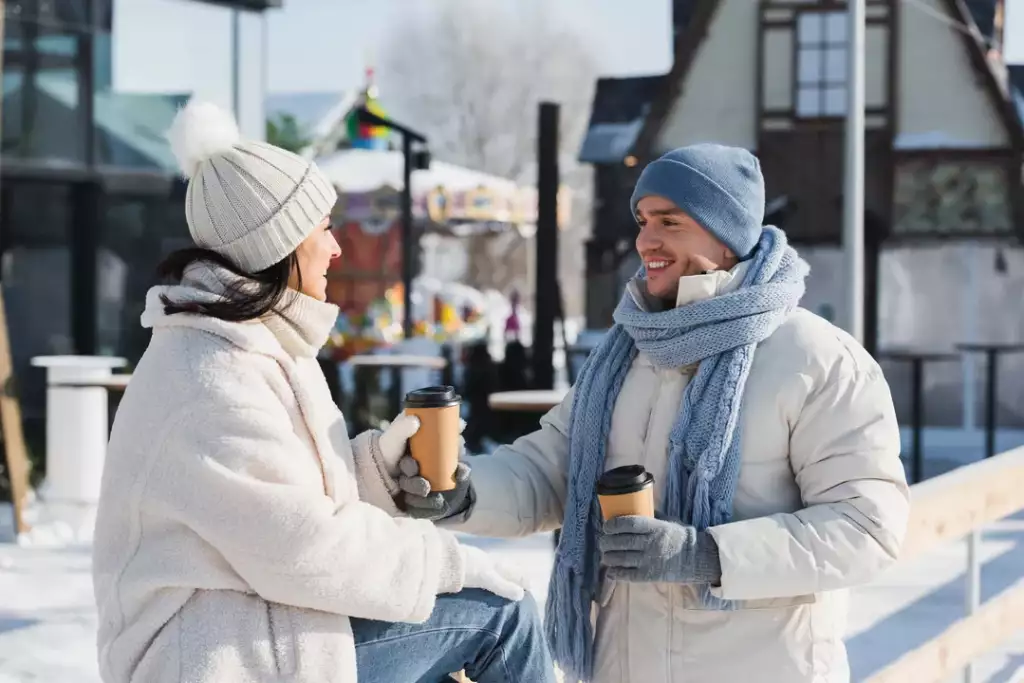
pixel 627 490
pixel 435 447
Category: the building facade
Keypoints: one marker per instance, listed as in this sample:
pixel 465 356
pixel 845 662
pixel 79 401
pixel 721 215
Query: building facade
pixel 89 194
pixel 943 136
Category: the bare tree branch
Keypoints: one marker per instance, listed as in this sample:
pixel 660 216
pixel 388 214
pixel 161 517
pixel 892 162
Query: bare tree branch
pixel 471 75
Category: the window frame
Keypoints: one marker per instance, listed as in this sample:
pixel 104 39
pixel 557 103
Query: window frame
pixel 823 85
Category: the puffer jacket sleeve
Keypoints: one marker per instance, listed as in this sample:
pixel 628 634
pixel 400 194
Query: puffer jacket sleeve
pixel 844 451
pixel 229 476
pixel 520 488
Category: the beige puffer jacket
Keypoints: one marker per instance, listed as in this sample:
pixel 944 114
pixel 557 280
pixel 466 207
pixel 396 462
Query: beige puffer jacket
pixel 821 505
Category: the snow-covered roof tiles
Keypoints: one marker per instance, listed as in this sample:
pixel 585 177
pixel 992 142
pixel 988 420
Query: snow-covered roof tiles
pixel 617 116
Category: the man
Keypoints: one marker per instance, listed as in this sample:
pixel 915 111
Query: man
pixel 771 436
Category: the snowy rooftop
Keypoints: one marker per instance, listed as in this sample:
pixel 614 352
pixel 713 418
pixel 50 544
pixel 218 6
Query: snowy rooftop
pixel 617 116
pixel 362 170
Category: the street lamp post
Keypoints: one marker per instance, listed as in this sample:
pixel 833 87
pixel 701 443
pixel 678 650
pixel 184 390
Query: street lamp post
pixel 410 162
pixel 853 214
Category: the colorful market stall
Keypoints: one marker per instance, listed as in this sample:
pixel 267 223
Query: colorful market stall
pixel 448 202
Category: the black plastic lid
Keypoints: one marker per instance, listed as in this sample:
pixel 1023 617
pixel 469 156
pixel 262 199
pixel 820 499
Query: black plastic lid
pixel 625 479
pixel 432 397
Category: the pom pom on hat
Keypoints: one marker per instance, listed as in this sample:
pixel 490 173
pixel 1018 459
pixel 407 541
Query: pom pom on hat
pixel 199 131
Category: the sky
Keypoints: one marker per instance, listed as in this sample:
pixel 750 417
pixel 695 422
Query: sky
pixel 326 45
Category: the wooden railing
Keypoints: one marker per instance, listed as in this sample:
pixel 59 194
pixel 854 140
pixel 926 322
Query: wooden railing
pixel 947 508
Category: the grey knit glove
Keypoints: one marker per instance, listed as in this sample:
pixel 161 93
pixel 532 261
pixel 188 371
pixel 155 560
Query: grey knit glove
pixel 419 502
pixel 641 549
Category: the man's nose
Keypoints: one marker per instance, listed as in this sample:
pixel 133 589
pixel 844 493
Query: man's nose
pixel 648 239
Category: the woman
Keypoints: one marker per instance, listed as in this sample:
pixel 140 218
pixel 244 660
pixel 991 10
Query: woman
pixel 241 537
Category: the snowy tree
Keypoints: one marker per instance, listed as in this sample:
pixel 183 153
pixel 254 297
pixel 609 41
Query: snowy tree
pixel 470 75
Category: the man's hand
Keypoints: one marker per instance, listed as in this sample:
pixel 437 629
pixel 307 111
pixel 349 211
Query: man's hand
pixel 641 549
pixel 418 501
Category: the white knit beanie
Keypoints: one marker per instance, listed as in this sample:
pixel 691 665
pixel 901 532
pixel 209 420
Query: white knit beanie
pixel 247 200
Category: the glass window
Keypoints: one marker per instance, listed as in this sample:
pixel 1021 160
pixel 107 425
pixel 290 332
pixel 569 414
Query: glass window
pixel 42 82
pixel 809 64
pixel 808 101
pixel 835 65
pixel 810 28
pixel 835 27
pixel 834 101
pixel 49 72
pixel 821 64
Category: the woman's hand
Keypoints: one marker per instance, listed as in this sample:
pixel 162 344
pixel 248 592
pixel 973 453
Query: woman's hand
pixel 487 573
pixel 416 498
pixel 394 441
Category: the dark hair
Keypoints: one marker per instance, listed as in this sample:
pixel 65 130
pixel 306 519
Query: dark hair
pixel 253 296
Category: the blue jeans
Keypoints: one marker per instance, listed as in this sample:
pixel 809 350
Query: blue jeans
pixel 494 640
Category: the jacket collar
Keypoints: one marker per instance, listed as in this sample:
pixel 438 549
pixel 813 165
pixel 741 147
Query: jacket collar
pixel 299 326
pixel 692 288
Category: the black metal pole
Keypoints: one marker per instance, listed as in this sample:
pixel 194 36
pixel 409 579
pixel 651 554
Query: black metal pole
pixel 84 253
pixel 87 202
pixel 917 416
pixel 992 392
pixel 546 305
pixel 409 244
pixel 395 392
pixel 407 235
pixel 87 84
pixel 872 261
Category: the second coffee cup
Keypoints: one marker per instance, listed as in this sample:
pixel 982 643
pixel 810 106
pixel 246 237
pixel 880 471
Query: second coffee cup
pixel 435 447
pixel 627 490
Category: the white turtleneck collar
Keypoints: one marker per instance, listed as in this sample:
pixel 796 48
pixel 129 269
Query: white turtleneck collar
pixel 691 287
pixel 300 323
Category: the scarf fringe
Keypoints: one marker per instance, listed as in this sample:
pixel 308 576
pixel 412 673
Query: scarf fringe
pixel 568 626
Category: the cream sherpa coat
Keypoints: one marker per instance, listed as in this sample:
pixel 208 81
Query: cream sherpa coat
pixel 236 531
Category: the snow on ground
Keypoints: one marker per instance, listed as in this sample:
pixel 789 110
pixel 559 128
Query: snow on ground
pixel 47 618
pixel 48 622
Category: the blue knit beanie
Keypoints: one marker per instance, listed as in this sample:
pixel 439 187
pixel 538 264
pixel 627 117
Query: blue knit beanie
pixel 719 187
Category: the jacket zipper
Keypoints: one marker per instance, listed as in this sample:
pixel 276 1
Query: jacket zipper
pixel 659 385
pixel 650 415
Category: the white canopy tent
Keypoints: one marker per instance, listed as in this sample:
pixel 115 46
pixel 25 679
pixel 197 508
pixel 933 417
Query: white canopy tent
pixel 460 200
